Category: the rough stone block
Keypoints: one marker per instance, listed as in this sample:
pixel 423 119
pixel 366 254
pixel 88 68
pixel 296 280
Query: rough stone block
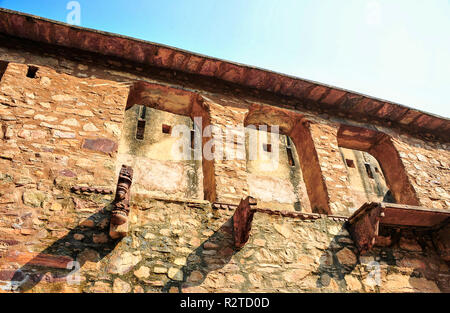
pixel 118 231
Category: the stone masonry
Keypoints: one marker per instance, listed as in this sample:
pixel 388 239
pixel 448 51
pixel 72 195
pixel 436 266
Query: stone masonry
pixel 68 122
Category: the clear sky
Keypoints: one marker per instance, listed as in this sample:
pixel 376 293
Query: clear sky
pixel 397 50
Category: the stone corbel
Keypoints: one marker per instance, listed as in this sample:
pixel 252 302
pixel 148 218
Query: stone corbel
pixel 365 223
pixel 364 227
pixel 121 209
pixel 242 221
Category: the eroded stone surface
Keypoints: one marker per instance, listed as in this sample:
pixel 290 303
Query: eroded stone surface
pixel 100 145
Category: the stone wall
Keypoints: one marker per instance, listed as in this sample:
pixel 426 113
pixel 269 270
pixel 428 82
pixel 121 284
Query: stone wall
pixel 58 131
pixel 62 127
pixel 163 163
pixel 226 180
pixel 427 165
pixel 187 247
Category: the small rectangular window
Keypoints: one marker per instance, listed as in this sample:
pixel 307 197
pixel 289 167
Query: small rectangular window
pixel 267 147
pixel 3 66
pixel 143 112
pixel 290 156
pixel 288 142
pixel 166 129
pixel 140 129
pixel 368 170
pixel 192 138
pixel 350 163
pixel 32 70
pixel 4 132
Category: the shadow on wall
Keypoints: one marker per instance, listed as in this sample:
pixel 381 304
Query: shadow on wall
pixel 82 250
pixel 389 197
pixel 412 268
pixel 430 273
pixel 213 254
pixel 337 261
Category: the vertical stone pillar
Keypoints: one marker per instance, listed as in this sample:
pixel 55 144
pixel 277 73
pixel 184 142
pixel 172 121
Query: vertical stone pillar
pixel 311 170
pixel 423 167
pixel 332 168
pixel 230 175
pixel 394 168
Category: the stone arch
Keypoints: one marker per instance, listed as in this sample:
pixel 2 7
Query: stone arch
pixel 178 102
pixel 380 146
pixel 295 126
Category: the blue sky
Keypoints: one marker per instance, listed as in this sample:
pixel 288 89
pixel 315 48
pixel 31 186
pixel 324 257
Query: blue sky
pixel 397 50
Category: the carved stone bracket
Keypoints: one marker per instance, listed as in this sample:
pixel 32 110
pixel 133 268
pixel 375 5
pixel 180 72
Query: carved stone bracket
pixel 365 223
pixel 364 227
pixel 242 221
pixel 119 214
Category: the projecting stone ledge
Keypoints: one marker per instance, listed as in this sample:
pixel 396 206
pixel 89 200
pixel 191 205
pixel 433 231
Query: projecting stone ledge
pixel 364 225
pixel 118 231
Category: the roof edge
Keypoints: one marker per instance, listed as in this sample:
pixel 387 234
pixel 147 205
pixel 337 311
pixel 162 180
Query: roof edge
pixel 35 28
